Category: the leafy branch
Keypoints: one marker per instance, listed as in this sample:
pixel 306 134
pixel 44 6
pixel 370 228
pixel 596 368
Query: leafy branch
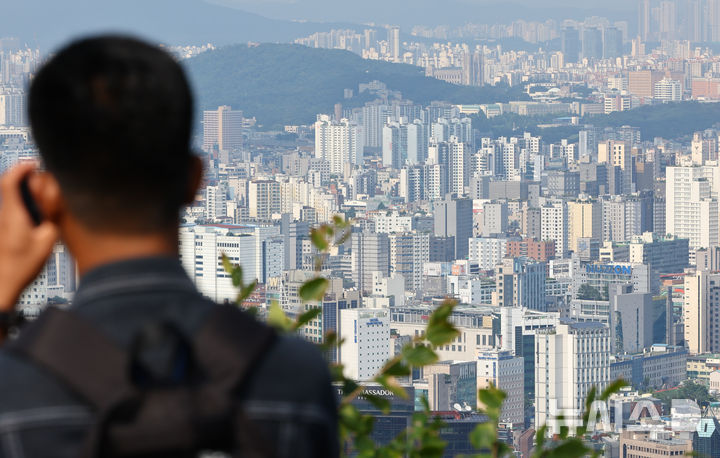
pixel 422 438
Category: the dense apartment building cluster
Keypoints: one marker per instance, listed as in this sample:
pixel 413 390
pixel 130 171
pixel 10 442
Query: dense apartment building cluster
pixel 664 60
pixel 573 262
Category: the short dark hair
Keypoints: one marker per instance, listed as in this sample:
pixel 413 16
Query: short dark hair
pixel 112 118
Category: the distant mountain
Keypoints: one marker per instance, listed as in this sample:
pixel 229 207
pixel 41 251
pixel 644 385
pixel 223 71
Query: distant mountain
pixel 49 23
pixel 290 84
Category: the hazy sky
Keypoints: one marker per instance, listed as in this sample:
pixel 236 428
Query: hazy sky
pixel 48 23
pixel 421 11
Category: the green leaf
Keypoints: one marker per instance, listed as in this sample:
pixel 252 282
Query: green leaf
pixel 236 275
pixel 313 290
pixel 227 265
pixel 540 437
pixel 420 355
pixel 336 372
pixel 432 447
pixel 570 448
pixel 317 237
pixel 397 369
pixel 614 387
pixel 246 291
pixel 349 386
pixel 491 397
pixel 484 435
pixel 307 317
pixel 390 383
pixel 277 318
pixel 378 402
pixel 440 330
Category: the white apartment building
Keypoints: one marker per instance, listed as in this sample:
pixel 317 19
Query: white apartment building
pixel 459 167
pixel 365 335
pixel 13 111
pixel 668 90
pixel 554 225
pixel 260 250
pixel 691 204
pixel 487 252
pixel 506 372
pixel 391 222
pixel 215 203
pixel 701 310
pixel 263 199
pixel 408 253
pixel 339 143
pixel 570 360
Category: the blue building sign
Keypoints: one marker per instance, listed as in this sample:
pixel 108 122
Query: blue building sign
pixel 608 269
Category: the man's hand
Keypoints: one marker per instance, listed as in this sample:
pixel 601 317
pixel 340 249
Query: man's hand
pixel 24 247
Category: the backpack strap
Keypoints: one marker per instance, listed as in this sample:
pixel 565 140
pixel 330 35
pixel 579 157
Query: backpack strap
pixel 78 354
pixel 226 348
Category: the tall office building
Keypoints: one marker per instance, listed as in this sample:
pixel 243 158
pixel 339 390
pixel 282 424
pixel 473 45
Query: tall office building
pixel 260 250
pixel 365 337
pixel 612 43
pixel 504 371
pixel 394 145
pixel 554 225
pixel 695 20
pixel 263 198
pixel 451 383
pixel 584 221
pixel 662 254
pixel 571 44
pixel 618 154
pixel 436 181
pixel 408 253
pixel 416 142
pixel 667 20
pixel 571 359
pixel 453 217
pixel 520 282
pixel 592 43
pixel 339 143
pixel 703 148
pixel 458 167
pixel 713 20
pixel 370 254
pixel 394 43
pixel 624 217
pixel 644 18
pixel 487 252
pixel 374 118
pixel 692 210
pixel 222 129
pixel 412 185
pixel 701 311
pixel 215 202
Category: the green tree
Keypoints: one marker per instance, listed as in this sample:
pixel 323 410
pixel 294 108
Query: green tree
pixel 688 390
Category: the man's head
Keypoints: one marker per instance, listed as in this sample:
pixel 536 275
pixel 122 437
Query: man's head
pixel 112 119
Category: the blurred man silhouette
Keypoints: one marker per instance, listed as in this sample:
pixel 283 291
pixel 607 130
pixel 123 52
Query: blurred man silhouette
pixel 112 118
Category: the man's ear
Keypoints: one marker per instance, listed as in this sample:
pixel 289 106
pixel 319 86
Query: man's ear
pixel 194 179
pixel 45 189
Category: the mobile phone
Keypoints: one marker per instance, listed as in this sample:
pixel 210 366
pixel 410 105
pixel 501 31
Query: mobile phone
pixel 29 202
